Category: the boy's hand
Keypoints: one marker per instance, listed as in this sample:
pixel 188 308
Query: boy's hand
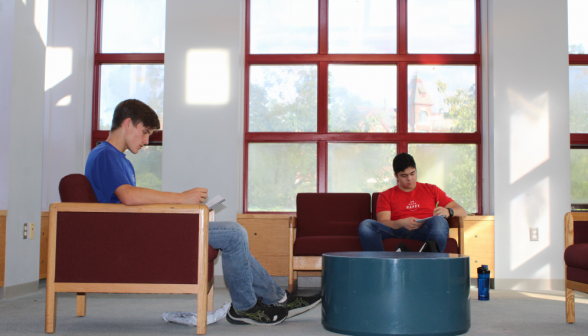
pixel 410 224
pixel 441 211
pixel 195 196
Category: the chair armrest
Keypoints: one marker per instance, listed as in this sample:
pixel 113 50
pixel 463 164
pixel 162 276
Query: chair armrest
pixel 292 222
pixel 86 225
pixel 455 222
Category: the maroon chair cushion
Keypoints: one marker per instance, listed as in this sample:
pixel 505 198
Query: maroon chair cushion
pixel 128 248
pixel 578 275
pixel 580 232
pixel 76 188
pixel 331 214
pixel 316 246
pixel 577 256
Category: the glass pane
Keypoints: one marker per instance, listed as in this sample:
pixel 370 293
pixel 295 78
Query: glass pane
pixel 284 27
pixel 453 168
pixel 362 98
pixel 577 26
pixel 133 26
pixel 278 172
pixel 579 175
pixel 441 27
pixel 578 99
pixel 147 164
pixel 360 167
pixel 442 99
pixel 362 27
pixel 123 81
pixel 282 98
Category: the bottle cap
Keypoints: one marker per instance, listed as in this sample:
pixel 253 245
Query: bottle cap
pixel 483 269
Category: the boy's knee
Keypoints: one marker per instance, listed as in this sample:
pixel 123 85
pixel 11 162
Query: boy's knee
pixel 438 223
pixel 366 226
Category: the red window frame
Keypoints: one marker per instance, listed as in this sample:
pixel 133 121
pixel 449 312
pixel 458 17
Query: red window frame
pixel 100 59
pixel 579 140
pixel 402 59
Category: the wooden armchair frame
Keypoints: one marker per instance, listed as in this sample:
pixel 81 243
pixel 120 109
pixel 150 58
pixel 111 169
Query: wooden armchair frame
pixel 571 286
pixel 204 289
pixel 315 263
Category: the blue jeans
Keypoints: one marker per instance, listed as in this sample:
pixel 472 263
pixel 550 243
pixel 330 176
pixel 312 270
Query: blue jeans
pixel 246 278
pixel 372 232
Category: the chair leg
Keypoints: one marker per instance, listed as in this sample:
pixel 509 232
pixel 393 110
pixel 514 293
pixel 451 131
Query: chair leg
pixel 81 305
pixel 293 281
pixel 211 299
pixel 570 306
pixel 201 302
pixel 50 309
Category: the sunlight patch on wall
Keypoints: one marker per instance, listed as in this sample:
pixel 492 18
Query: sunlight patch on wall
pixel 65 101
pixel 207 77
pixel 58 65
pixel 41 18
pixel 529 210
pixel 529 134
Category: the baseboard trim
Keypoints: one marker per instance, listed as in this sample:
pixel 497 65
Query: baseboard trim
pixel 20 290
pixel 530 284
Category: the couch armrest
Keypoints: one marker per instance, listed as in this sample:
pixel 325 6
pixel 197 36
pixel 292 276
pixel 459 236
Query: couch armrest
pixel 457 222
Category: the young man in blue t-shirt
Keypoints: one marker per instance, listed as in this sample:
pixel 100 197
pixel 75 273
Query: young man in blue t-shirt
pixel 257 299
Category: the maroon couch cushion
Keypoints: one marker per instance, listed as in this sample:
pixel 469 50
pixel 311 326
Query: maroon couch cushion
pixel 128 248
pixel 577 256
pixel 329 214
pixel 76 188
pixel 316 246
pixel 580 232
pixel 578 275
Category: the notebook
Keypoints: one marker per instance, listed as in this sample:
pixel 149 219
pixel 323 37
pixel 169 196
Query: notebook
pixel 216 200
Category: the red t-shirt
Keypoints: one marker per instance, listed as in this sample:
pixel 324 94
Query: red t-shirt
pixel 419 203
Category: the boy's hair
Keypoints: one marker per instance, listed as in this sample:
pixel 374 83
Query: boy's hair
pixel 403 161
pixel 138 111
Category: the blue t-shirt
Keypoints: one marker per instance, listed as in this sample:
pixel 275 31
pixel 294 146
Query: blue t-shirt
pixel 107 169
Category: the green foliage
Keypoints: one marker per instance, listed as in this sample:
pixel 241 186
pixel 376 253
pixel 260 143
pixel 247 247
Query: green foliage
pixel 576 48
pixel 579 172
pixel 276 114
pixel 462 180
pixel 147 164
pixel 578 99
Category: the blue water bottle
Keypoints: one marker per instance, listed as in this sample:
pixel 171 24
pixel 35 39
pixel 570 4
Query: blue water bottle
pixel 483 283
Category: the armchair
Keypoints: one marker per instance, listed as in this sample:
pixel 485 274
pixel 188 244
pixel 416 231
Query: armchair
pixel 113 248
pixel 576 250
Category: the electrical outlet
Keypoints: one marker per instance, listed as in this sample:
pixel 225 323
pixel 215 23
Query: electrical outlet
pixel 534 233
pixel 32 231
pixel 25 231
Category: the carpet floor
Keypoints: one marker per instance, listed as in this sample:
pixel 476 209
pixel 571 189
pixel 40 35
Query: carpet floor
pixel 507 313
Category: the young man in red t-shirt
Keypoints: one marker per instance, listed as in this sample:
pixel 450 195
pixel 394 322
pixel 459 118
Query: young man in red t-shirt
pixel 399 207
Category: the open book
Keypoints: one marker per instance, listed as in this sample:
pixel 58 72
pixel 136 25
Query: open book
pixel 216 200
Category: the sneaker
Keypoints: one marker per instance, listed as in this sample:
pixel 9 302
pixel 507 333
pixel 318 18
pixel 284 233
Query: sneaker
pixel 260 314
pixel 299 304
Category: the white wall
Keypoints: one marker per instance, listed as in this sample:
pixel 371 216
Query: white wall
pixel 6 50
pixel 68 96
pixel 26 143
pixel 203 130
pixel 528 55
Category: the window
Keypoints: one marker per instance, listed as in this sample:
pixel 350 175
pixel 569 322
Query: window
pixel 334 89
pixel 578 76
pixel 128 63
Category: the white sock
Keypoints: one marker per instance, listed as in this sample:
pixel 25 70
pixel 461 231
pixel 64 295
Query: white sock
pixel 284 298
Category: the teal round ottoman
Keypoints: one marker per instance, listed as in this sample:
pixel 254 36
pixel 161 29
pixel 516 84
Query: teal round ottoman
pixel 396 293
